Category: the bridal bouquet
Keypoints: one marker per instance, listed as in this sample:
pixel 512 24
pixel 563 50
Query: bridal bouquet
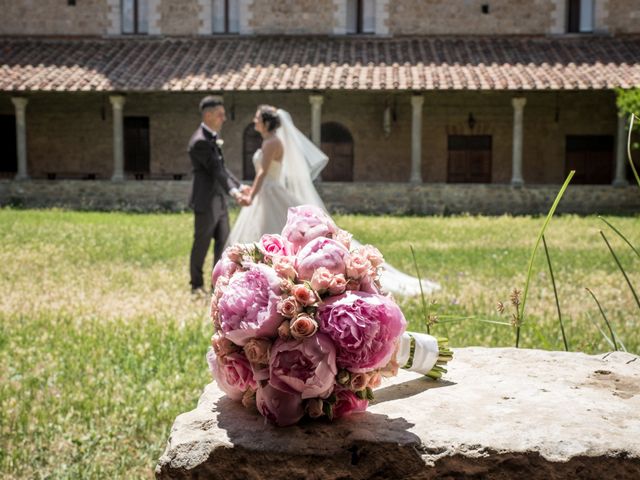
pixel 302 327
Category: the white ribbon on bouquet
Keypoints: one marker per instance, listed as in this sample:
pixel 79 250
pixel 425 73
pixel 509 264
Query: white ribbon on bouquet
pixel 425 352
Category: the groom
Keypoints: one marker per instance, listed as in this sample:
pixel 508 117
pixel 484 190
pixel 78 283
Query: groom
pixel 211 180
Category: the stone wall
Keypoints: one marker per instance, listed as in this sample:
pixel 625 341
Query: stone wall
pixel 53 17
pixel 292 16
pixel 370 198
pixel 623 16
pixel 179 17
pixel 447 17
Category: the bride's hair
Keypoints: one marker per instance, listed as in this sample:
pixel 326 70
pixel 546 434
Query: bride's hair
pixel 269 116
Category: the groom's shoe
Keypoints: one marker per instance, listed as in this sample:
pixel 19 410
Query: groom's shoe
pixel 199 292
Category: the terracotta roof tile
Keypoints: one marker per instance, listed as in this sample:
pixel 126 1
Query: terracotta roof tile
pixel 319 63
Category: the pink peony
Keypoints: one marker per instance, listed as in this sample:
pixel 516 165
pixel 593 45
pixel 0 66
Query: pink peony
pixel 306 222
pixel 274 245
pixel 249 306
pixel 224 269
pixel 281 408
pixel 306 367
pixel 321 252
pixel 232 373
pixel 347 403
pixel 364 328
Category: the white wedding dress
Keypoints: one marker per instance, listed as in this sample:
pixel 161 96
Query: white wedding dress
pixel 289 183
pixel 268 211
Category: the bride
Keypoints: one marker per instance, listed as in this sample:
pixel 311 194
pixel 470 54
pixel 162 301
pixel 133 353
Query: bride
pixel 286 166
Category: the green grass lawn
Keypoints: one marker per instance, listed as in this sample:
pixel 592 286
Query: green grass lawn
pixel 101 344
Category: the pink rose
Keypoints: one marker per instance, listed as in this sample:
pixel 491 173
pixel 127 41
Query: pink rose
pixel 347 403
pixel 358 266
pixel 364 328
pixel 249 305
pixel 359 381
pixel 232 373
pixel 321 252
pixel 374 380
pixel 285 267
pixel 338 284
pixel 314 407
pixel 284 330
pixel 289 307
pixel 280 408
pixel 372 254
pixel 223 346
pixel 306 222
pixel 272 245
pixel 286 285
pixel 235 252
pixel 303 295
pixel 344 238
pixel 306 367
pixel 249 399
pixel 321 280
pixel 257 350
pixel 303 326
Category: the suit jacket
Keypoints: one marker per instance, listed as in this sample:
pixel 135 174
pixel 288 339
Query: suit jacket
pixel 210 176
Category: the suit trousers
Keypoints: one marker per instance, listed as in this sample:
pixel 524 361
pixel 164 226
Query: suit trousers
pixel 212 223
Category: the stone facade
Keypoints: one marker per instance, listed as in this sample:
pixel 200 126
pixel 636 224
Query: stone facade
pixel 73 132
pixel 625 17
pixel 292 16
pixel 424 17
pixel 180 18
pixel 446 17
pixel 53 17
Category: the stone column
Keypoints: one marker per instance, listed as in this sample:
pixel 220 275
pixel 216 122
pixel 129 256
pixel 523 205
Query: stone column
pixel 117 102
pixel 316 117
pixel 518 110
pixel 416 138
pixel 20 104
pixel 620 179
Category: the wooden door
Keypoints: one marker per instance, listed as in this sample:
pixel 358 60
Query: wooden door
pixel 469 159
pixel 136 146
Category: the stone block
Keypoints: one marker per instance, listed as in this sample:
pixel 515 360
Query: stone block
pixel 498 413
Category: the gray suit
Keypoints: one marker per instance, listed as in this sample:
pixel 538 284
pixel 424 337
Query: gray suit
pixel 211 180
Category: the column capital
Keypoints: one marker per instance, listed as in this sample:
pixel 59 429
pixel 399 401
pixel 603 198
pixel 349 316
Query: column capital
pixel 117 101
pixel 417 100
pixel 518 102
pixel 316 100
pixel 20 102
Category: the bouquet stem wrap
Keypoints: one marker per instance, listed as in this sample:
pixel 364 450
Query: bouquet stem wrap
pixel 422 353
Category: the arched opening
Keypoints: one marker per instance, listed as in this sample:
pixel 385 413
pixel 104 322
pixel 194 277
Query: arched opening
pixel 251 141
pixel 337 144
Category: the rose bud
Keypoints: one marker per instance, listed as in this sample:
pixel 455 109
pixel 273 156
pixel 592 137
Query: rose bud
pixel 374 380
pixel 222 346
pixel 249 399
pixel 284 330
pixel 303 295
pixel 303 326
pixel 257 350
pixel 321 280
pixel 343 377
pixel 338 284
pixel 359 381
pixel 314 407
pixel 289 307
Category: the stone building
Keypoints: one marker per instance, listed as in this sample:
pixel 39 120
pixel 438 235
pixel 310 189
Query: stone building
pixel 422 105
